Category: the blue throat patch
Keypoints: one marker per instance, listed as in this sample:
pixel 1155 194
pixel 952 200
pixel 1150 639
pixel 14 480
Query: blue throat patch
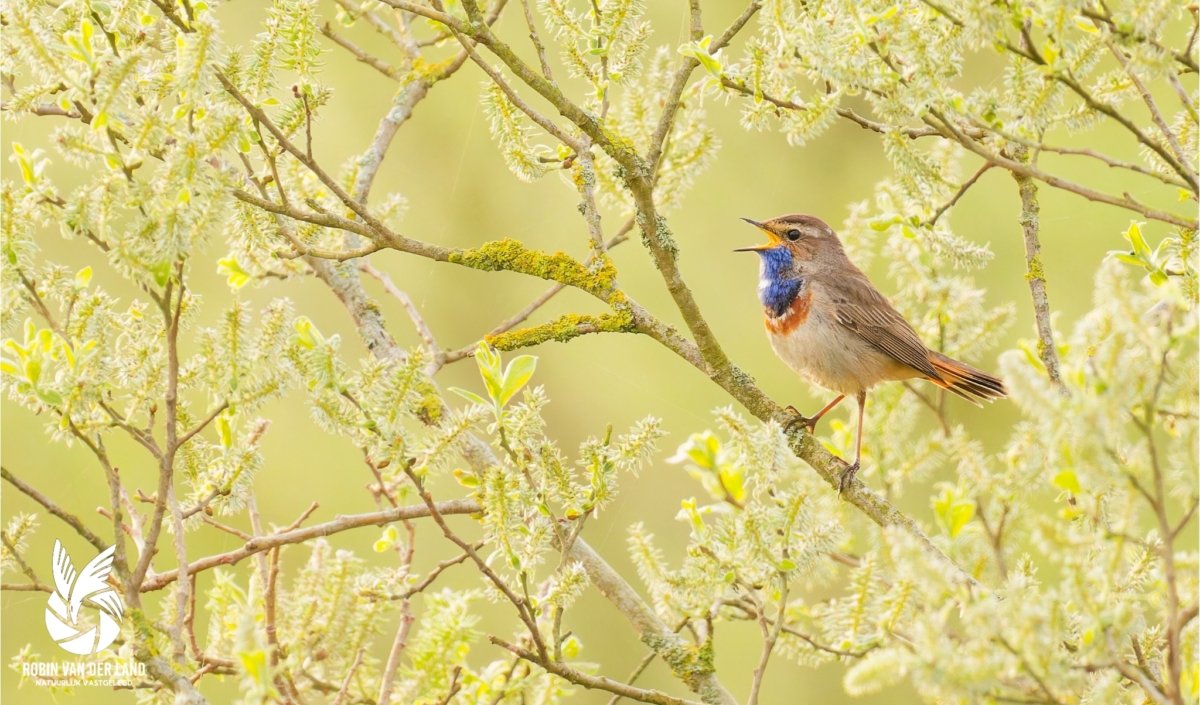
pixel 776 288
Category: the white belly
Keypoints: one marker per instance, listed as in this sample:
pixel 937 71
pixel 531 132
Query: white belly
pixel 831 356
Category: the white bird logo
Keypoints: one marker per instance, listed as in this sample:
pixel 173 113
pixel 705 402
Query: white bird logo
pixel 71 591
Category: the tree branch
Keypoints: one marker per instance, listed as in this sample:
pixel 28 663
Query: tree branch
pixel 345 522
pixel 567 673
pixel 52 507
pixel 1036 276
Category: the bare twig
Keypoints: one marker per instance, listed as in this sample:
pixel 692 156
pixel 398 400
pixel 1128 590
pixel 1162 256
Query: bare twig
pixel 54 509
pixel 524 609
pixel 1185 160
pixel 770 635
pixel 400 641
pixel 258 544
pixel 360 54
pixel 537 41
pixel 962 190
pixel 20 560
pixel 25 587
pixel 183 595
pixel 433 575
pixel 1126 201
pixel 565 672
pixel 410 308
pixel 344 691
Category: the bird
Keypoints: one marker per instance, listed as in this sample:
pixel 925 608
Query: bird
pixel 828 322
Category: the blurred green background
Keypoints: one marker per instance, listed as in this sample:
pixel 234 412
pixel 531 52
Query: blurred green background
pixel 461 194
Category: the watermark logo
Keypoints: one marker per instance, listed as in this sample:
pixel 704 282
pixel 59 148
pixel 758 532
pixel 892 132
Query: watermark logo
pixel 83 615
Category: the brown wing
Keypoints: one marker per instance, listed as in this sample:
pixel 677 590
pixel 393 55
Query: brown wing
pixel 865 311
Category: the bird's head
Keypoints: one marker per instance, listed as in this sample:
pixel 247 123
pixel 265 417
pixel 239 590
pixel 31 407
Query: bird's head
pixel 804 236
pixel 797 247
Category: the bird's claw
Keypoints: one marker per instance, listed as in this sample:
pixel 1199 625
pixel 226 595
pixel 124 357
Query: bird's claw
pixel 798 418
pixel 847 477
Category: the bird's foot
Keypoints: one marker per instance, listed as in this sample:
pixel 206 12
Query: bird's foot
pixel 847 477
pixel 798 419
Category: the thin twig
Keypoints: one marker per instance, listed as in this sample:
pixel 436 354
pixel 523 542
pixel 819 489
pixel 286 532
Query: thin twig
pixel 410 308
pixel 565 672
pixel 340 698
pixel 54 509
pixel 770 635
pixel 360 54
pixel 345 522
pixel 962 190
pixel 537 41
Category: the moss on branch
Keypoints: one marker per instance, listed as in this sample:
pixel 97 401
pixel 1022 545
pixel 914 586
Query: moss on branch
pixel 692 664
pixel 563 329
pixel 513 256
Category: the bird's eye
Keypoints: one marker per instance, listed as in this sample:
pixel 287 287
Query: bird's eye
pixel 793 234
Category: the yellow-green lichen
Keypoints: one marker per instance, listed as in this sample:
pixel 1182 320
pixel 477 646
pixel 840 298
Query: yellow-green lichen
pixel 689 663
pixel 562 329
pixel 513 256
pixel 141 626
pixel 1035 270
pixel 429 410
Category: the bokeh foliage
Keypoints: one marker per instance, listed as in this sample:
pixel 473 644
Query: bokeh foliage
pixel 1056 565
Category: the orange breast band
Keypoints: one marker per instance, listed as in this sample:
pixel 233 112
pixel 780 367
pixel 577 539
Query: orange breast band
pixel 792 318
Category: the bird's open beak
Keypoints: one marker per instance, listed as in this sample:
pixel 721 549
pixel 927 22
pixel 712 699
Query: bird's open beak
pixel 772 241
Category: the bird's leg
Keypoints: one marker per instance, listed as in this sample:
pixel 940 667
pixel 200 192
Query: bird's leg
pixel 797 418
pixel 848 474
pixel 810 423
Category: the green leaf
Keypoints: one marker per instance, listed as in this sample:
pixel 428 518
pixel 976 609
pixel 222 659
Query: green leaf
pixel 516 376
pixel 23 161
pixel 466 479
pixel 236 277
pixel 255 664
pixel 732 481
pixel 885 15
pixel 469 396
pixel 699 51
pixel 306 333
pixel 488 362
pixel 225 431
pixel 50 397
pixel 33 370
pixel 1134 236
pixel 571 647
pixel 1067 480
pixel 953 514
pixel 1126 257
pixel 161 273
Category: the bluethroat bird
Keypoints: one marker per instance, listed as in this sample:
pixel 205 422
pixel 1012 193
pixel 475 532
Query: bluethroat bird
pixel 827 321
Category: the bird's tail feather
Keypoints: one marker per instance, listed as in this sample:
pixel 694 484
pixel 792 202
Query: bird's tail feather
pixel 966 381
